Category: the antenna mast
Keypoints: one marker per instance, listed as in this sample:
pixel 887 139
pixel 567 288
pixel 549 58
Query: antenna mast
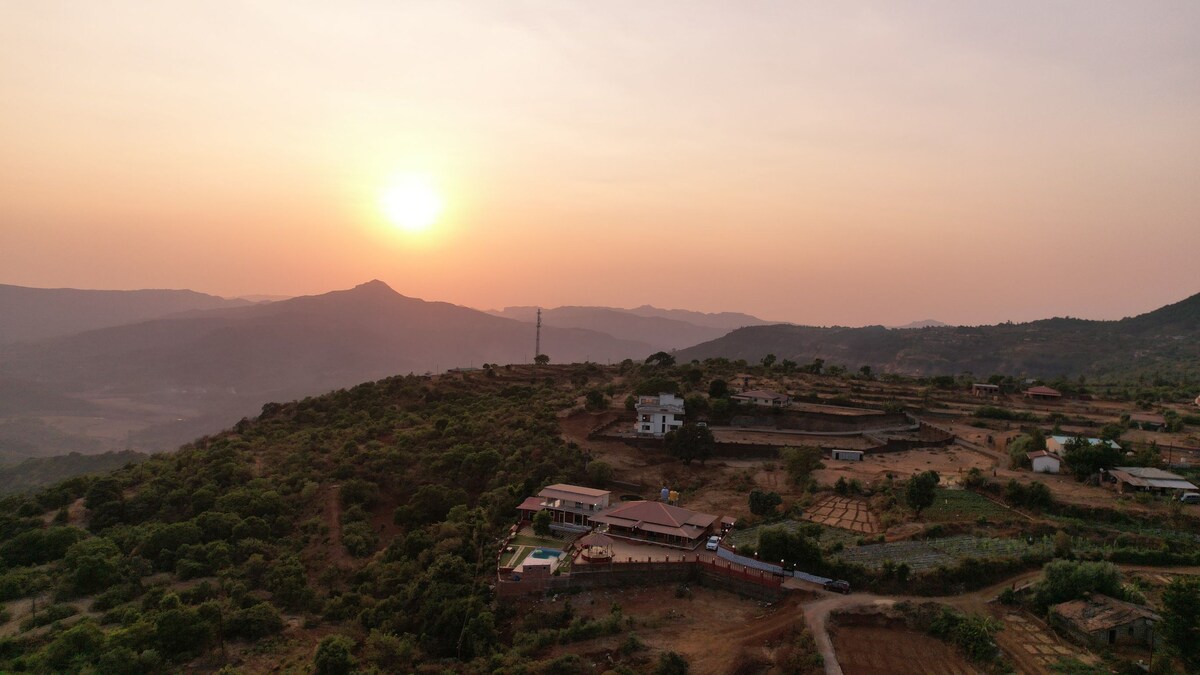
pixel 537 341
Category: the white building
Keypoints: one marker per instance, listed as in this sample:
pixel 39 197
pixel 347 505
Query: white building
pixel 656 415
pixel 847 455
pixel 1044 462
pixel 1056 444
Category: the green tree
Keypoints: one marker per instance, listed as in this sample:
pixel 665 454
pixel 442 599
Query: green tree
pixel 541 359
pixel 541 523
pixel 920 491
pixel 792 547
pixel 74 647
pixel 660 359
pixel 1064 580
pixel 718 389
pixel 255 622
pixel 599 473
pixel 92 565
pixel 696 406
pixel 801 462
pixel 335 656
pixel 596 400
pixel 1181 619
pixel 764 503
pixel 768 361
pixel 689 442
pixel 1086 459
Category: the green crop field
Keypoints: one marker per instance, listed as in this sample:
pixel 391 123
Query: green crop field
pixel 952 506
pixel 927 554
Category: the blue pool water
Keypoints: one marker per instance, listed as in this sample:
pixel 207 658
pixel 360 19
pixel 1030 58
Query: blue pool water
pixel 544 553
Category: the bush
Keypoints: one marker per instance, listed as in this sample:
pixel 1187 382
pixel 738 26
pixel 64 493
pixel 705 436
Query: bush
pixel 47 615
pixel 335 656
pixel 1066 580
pixel 255 622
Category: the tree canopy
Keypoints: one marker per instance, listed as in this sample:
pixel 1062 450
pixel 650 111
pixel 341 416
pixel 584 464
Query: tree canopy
pixel 690 442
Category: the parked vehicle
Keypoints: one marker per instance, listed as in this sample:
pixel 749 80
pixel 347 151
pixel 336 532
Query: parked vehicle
pixel 713 543
pixel 838 586
pixel 1190 498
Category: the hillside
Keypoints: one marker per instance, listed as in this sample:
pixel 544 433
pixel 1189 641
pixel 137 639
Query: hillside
pixel 172 378
pixel 661 333
pixel 38 313
pixel 368 512
pixel 1165 341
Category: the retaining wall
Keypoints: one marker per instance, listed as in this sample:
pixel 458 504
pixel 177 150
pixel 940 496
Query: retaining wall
pixel 721 575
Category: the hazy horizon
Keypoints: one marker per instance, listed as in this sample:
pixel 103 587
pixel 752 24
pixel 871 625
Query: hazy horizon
pixel 852 165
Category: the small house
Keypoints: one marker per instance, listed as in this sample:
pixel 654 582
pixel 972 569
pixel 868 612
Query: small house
pixel 985 390
pixel 763 397
pixel 847 455
pixel 1043 393
pixel 1099 621
pixel 1044 461
pixel 656 415
pixel 1148 479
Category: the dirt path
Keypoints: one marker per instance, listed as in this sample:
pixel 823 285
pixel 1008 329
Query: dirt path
pixel 817 612
pixel 333 520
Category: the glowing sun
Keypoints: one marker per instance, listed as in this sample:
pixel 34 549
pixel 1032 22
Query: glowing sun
pixel 411 203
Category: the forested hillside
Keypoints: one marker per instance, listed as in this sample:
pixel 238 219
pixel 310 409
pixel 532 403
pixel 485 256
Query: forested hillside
pixel 363 521
pixel 1164 343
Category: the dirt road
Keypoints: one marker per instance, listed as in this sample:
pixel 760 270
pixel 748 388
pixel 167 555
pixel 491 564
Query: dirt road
pixel 816 612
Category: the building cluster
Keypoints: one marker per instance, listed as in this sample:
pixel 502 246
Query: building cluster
pixel 657 415
pixel 576 509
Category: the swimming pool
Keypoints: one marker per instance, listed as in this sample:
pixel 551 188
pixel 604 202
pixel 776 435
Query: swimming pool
pixel 545 553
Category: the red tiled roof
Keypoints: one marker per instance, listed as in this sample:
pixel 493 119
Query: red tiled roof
pixel 596 539
pixel 1041 453
pixel 531 504
pixel 657 517
pixel 1043 391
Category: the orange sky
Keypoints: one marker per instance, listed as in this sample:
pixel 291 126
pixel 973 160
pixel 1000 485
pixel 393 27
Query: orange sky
pixel 818 163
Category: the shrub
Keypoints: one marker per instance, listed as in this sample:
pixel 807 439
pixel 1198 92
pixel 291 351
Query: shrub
pixel 335 656
pixel 254 622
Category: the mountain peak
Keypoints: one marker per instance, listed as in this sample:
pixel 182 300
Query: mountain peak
pixel 375 286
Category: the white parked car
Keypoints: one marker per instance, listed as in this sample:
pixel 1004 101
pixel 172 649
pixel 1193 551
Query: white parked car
pixel 1190 498
pixel 713 541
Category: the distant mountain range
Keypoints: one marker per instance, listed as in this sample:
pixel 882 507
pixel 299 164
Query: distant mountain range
pixel 662 329
pixel 926 323
pixel 1166 340
pixel 205 369
pixel 184 363
pixel 37 313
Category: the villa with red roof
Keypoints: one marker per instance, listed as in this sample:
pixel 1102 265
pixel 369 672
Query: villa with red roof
pixel 658 523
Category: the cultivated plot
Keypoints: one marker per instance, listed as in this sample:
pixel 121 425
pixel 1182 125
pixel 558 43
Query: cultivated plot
pixel 844 512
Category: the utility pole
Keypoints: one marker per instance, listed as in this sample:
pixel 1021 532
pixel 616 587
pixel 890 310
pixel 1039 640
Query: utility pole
pixel 537 341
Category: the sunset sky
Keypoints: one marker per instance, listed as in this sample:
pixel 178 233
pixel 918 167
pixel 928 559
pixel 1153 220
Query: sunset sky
pixel 820 163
